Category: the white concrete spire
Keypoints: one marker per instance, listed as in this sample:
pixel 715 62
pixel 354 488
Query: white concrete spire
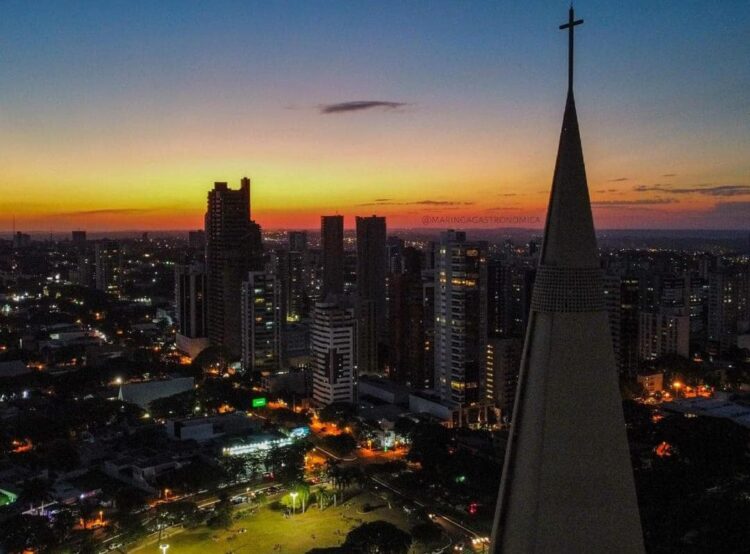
pixel 567 483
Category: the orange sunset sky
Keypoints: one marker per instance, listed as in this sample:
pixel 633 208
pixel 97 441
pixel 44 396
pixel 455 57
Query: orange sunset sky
pixel 121 117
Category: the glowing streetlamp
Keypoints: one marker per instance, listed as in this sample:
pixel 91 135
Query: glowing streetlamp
pixel 163 547
pixel 294 500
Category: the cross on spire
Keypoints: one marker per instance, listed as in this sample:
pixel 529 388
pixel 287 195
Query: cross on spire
pixel 569 26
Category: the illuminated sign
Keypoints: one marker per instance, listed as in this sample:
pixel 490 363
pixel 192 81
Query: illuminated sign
pixel 259 402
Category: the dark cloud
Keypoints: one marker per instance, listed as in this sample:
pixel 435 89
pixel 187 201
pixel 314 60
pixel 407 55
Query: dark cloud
pixel 112 211
pixel 670 175
pixel 360 105
pixel 386 202
pixel 640 202
pixel 382 200
pixel 706 190
pixel 619 180
pixel 508 194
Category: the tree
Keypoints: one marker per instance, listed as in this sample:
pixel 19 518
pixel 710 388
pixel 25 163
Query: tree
pixel 377 537
pixel 302 490
pixel 222 517
pixel 427 533
pixel 341 445
pixel 129 499
pixel 22 532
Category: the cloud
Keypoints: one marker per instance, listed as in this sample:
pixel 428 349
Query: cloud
pixel 670 175
pixel 619 180
pixel 360 105
pixel 640 202
pixel 706 190
pixel 110 211
pixel 508 194
pixel 387 202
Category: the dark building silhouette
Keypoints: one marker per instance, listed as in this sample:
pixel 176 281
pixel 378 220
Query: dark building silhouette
pixel 295 277
pixel 233 248
pixel 406 323
pixel 79 238
pixel 371 305
pixel 332 254
pixel 197 239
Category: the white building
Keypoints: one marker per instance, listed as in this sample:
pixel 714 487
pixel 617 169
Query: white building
pixel 332 353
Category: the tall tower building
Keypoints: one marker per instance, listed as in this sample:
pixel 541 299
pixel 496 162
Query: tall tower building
pixel 371 262
pixel 501 374
pixel 333 338
pixel 261 322
pixel 233 248
pixel 728 305
pixel 296 277
pixel 108 266
pixel 190 308
pixel 567 482
pixel 79 238
pixel 460 318
pixel 332 254
pixel 406 323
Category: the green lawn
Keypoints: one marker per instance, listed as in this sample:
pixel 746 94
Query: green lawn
pixel 267 528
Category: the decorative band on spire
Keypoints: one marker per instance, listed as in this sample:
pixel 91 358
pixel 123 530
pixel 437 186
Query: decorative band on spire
pixel 564 289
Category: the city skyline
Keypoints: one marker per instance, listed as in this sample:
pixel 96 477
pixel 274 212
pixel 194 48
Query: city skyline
pixel 440 111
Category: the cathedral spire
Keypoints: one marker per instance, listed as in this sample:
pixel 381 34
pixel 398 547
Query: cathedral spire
pixel 567 482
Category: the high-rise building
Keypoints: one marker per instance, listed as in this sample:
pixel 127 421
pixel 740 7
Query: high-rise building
pixel 567 483
pixel 190 308
pixel 613 303
pixel 333 338
pixel 108 267
pixel 630 290
pixel 371 304
pixel 664 332
pixel 406 324
pixel 298 241
pixel 428 319
pixel 501 378
pixel 197 239
pixel 261 322
pixel 460 318
pixel 296 277
pixel 332 254
pixel 79 238
pixel 190 299
pixel 233 248
pixel 728 305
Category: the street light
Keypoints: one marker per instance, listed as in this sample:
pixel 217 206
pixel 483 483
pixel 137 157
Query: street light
pixel 294 500
pixel 163 548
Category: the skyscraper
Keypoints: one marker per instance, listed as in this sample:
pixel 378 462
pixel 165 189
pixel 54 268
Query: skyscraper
pixel 460 318
pixel 406 323
pixel 296 277
pixel 728 305
pixel 261 322
pixel 190 308
pixel 332 254
pixel 233 248
pixel 371 308
pixel 333 352
pixel 567 482
pixel 108 267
